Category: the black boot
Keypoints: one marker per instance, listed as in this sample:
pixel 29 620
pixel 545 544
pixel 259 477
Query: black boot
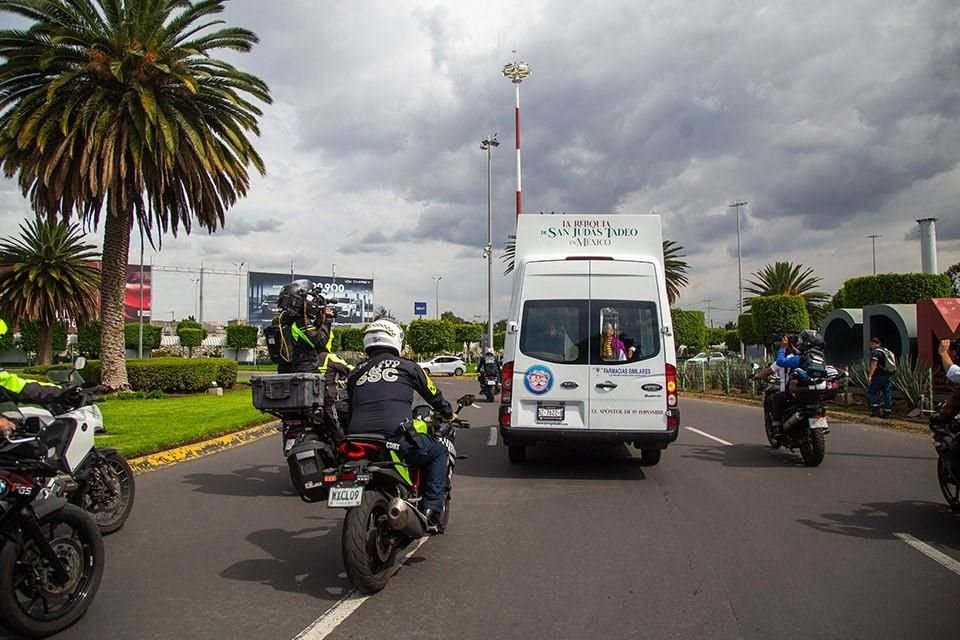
pixel 434 522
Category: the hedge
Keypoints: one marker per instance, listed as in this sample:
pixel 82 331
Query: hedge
pixel 6 340
pixel 499 339
pixel 30 336
pixel 88 340
pixel 151 336
pixel 689 328
pixel 172 375
pixel 732 340
pixel 895 288
pixel 468 332
pixel 430 336
pixel 747 329
pixel 242 336
pixel 350 339
pixel 776 315
pixel 191 337
pixel 90 373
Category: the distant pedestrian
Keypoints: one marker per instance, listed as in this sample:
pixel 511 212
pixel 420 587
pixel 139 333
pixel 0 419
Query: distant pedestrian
pixel 879 380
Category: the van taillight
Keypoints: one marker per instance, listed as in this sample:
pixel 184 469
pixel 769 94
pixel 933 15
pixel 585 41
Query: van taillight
pixel 673 412
pixel 505 411
pixel 506 383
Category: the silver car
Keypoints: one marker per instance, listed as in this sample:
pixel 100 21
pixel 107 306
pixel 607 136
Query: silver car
pixel 450 365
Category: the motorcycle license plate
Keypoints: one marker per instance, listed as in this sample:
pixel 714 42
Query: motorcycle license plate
pixel 491 382
pixel 819 423
pixel 550 413
pixel 345 496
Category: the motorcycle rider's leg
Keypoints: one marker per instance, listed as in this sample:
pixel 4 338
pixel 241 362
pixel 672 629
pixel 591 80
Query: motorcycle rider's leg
pixel 431 456
pixel 778 404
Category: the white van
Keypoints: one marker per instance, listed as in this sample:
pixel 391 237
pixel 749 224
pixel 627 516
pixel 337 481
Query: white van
pixel 589 352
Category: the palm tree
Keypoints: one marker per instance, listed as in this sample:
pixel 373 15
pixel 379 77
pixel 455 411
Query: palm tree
pixel 47 274
pixel 786 278
pixel 674 265
pixel 115 111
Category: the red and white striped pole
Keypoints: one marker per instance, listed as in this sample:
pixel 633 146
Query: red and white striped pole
pixel 516 72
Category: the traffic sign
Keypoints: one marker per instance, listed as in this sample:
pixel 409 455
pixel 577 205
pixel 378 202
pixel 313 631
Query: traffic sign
pixel 419 308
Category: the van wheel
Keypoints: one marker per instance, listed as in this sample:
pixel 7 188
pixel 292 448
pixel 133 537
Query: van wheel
pixel 650 457
pixel 517 453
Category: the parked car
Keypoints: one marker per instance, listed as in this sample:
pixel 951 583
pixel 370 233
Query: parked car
pixel 451 365
pixel 714 358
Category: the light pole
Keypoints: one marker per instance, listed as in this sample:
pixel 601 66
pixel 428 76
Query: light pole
pixel 515 72
pixel 239 288
pixel 487 144
pixel 736 204
pixel 873 237
pixel 437 279
pixel 197 287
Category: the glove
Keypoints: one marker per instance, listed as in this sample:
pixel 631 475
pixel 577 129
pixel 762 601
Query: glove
pixel 73 396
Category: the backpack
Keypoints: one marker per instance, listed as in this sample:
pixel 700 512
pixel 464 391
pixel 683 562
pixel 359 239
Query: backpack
pixel 279 346
pixel 889 361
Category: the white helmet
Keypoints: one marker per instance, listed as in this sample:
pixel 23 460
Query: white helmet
pixel 383 333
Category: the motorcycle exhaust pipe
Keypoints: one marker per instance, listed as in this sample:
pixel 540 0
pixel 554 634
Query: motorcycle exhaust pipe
pixel 404 518
pixel 793 421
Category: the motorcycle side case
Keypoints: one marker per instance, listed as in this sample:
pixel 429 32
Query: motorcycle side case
pixel 307 461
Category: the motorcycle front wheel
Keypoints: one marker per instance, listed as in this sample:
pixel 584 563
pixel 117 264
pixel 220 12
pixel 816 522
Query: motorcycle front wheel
pixel 369 544
pixel 813 448
pixel 108 493
pixel 948 485
pixel 32 601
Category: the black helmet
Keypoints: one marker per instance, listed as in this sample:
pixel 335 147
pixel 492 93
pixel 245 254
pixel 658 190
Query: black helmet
pixel 810 339
pixel 300 297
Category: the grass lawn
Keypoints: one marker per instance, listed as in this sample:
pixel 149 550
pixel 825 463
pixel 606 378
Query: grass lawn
pixel 139 427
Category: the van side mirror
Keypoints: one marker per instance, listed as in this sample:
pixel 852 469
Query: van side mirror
pixel 512 327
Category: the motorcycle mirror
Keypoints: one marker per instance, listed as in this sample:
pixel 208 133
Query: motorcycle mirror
pixel 79 363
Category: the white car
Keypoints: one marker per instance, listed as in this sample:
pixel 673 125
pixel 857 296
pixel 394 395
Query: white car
pixel 715 358
pixel 451 365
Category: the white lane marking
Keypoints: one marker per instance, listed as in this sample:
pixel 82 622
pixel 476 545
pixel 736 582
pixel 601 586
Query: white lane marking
pixel 332 617
pixel 492 438
pixel 930 552
pixel 707 435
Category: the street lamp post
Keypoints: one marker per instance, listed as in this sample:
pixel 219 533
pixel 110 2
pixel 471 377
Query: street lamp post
pixel 736 204
pixel 487 144
pixel 437 280
pixel 874 237
pixel 239 288
pixel 515 72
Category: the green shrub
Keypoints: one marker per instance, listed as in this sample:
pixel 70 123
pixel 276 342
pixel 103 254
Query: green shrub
pixel 430 336
pixel 732 340
pixel 747 329
pixel 88 340
pixel 242 336
pixel 468 332
pixel 689 328
pixel 776 315
pixel 895 288
pixel 191 337
pixel 178 375
pixel 131 336
pixel 30 336
pixel 350 339
pixel 499 339
pixel 90 373
pixel 6 340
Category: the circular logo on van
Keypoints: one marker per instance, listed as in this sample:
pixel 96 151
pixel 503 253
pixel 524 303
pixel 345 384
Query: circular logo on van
pixel 538 379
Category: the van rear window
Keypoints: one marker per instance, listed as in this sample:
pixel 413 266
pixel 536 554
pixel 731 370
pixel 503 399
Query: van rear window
pixel 556 331
pixel 598 332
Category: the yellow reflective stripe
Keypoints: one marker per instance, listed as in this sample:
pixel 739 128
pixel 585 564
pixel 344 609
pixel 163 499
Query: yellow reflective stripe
pixel 420 426
pixel 12 382
pixel 298 333
pixel 329 345
pixel 432 388
pixel 401 467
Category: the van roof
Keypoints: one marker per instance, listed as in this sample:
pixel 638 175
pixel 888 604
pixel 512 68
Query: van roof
pixel 582 235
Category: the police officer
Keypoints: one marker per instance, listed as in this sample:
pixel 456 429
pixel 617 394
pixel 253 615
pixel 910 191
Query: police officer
pixel 307 337
pixel 381 394
pixel 488 363
pixel 13 388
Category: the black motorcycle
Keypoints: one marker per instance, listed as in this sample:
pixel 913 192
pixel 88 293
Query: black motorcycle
pixel 489 384
pixel 382 496
pixel 51 552
pixel 804 423
pixel 946 440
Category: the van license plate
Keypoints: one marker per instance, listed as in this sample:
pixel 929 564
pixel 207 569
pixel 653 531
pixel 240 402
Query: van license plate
pixel 552 414
pixel 345 496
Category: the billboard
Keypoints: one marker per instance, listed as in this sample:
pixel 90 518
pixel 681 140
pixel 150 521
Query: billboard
pixel 131 294
pixel 351 297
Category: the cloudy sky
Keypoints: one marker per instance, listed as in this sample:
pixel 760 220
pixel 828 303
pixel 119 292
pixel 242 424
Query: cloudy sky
pixel 833 120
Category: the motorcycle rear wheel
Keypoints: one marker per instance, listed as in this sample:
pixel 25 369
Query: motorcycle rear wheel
pixel 369 544
pixel 488 392
pixel 108 494
pixel 768 428
pixel 813 448
pixel 949 486
pixel 31 601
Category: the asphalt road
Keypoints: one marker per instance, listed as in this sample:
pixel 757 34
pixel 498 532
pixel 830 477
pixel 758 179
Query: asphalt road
pixel 717 541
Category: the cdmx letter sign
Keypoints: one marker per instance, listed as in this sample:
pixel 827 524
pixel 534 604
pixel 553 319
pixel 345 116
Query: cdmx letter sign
pixel 419 308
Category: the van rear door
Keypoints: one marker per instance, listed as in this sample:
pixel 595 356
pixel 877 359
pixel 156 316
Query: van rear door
pixel 628 369
pixel 551 374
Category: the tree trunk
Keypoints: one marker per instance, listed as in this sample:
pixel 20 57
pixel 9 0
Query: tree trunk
pixel 45 346
pixel 116 245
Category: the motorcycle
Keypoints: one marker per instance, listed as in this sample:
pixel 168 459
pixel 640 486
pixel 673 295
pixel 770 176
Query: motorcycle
pixel 382 496
pixel 946 441
pixel 489 384
pixel 804 426
pixel 97 479
pixel 51 552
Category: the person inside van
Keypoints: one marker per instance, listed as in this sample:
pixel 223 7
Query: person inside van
pixel 611 346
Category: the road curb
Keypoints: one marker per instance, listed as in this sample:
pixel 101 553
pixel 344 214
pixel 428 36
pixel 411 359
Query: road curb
pixel 161 459
pixel 890 423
